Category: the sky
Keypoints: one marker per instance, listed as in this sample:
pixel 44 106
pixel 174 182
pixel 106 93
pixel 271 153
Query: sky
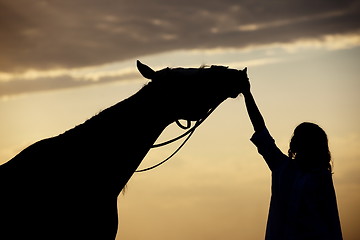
pixel 64 61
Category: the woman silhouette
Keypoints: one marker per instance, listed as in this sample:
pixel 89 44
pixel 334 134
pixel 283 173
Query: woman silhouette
pixel 303 201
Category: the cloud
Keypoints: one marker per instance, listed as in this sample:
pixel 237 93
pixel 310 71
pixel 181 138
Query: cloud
pixel 45 35
pixel 34 81
pixel 51 44
pixel 45 80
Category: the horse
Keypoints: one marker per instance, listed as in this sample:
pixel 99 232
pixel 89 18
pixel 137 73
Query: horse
pixel 66 187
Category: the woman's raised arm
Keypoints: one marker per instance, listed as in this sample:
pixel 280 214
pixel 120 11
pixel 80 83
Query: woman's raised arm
pixel 256 118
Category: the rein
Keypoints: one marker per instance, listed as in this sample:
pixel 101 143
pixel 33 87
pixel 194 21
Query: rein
pixel 189 133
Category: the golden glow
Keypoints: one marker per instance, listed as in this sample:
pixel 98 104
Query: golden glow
pixel 218 186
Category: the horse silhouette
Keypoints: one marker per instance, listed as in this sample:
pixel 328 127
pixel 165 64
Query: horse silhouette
pixel 66 187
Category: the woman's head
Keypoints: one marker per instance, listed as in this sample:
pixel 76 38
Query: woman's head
pixel 309 146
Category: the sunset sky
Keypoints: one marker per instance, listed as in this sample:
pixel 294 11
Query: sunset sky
pixel 64 61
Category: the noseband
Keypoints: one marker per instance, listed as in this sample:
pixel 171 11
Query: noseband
pixel 188 132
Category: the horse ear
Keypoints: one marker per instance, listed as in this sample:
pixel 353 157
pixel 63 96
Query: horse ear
pixel 145 70
pixel 245 70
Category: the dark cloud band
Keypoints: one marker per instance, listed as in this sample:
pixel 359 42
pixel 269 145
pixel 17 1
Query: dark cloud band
pixel 70 34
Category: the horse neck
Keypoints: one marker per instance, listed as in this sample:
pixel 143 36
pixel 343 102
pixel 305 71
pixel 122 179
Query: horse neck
pixel 120 136
pixel 142 110
pixel 139 117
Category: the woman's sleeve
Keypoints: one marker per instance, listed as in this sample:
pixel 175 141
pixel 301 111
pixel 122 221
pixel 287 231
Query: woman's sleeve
pixel 267 148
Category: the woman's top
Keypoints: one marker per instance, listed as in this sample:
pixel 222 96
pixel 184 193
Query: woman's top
pixel 303 203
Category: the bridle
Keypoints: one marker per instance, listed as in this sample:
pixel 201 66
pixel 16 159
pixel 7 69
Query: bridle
pixel 188 132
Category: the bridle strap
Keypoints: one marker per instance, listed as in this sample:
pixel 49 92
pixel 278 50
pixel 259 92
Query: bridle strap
pixel 178 137
pixel 188 124
pixel 178 149
pixel 189 132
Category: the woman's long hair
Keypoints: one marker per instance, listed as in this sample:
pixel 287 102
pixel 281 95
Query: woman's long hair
pixel 309 147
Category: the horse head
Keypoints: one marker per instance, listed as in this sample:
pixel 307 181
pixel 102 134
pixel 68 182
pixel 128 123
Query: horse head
pixel 192 92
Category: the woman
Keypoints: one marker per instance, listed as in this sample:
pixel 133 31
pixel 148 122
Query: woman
pixel 303 202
